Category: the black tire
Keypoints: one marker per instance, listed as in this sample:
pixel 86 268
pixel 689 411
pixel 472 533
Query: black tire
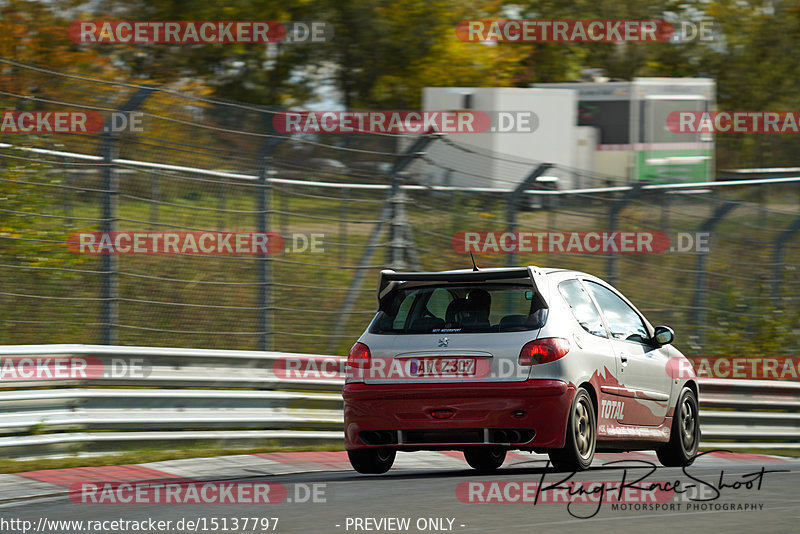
pixel 581 438
pixel 684 438
pixel 372 461
pixel 485 459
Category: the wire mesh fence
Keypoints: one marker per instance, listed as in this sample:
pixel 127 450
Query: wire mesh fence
pixel 346 206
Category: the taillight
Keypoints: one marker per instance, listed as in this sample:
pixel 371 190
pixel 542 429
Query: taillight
pixel 359 357
pixel 544 350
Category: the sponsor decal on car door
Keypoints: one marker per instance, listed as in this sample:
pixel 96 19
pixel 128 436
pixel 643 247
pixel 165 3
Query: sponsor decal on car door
pixel 643 384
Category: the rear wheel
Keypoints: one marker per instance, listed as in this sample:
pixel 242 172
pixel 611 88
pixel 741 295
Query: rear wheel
pixel 684 438
pixel 581 439
pixel 372 461
pixel 485 459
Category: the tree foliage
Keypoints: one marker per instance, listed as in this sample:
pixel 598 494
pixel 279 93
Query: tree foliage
pixel 384 52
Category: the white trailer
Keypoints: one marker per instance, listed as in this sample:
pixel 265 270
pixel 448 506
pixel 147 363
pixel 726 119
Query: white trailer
pixel 502 159
pixel 631 117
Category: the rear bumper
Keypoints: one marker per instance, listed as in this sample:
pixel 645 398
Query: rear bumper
pixel 455 415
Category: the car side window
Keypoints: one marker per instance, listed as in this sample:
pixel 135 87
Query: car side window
pixel 623 321
pixel 583 309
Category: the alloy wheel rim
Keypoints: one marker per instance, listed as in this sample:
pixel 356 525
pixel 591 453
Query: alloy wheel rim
pixel 688 424
pixel 584 433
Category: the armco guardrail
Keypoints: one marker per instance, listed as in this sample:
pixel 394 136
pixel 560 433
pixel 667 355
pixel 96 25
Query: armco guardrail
pixel 150 395
pixel 740 414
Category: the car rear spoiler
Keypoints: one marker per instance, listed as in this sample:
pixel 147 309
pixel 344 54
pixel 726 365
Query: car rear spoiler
pixel 388 279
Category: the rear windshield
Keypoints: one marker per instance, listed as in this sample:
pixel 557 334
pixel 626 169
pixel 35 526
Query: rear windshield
pixel 459 308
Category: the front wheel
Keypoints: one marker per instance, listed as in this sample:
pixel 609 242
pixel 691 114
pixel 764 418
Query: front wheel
pixel 684 438
pixel 372 461
pixel 581 439
pixel 485 459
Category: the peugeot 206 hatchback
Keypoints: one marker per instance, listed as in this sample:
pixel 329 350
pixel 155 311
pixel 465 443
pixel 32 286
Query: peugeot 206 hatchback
pixel 543 360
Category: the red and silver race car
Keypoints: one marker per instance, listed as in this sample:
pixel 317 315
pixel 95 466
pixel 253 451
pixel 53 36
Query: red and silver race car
pixel 543 360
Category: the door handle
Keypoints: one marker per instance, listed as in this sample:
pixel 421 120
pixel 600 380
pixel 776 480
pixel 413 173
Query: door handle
pixel 624 358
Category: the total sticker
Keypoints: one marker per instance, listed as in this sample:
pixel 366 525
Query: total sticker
pixel 612 410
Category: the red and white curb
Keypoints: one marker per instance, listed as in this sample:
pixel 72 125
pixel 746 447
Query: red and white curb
pixel 56 482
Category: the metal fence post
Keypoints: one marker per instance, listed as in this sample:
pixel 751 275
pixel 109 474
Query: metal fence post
pixel 616 206
pixel 513 203
pixel 777 255
pixel 264 262
pixel 397 234
pixel 109 312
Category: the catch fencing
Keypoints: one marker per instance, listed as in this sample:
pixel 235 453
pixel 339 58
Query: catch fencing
pixel 726 283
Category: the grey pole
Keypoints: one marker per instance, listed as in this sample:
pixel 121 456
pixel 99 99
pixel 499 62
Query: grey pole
pixel 109 291
pixel 264 262
pixel 699 298
pixel 513 203
pixel 617 205
pixel 777 255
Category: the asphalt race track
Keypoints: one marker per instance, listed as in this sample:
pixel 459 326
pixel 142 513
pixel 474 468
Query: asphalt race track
pixel 750 496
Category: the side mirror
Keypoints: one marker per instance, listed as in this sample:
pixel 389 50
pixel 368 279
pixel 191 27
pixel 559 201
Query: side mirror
pixel 664 335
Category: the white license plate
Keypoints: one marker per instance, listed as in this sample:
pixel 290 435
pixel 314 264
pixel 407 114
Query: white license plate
pixel 444 367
